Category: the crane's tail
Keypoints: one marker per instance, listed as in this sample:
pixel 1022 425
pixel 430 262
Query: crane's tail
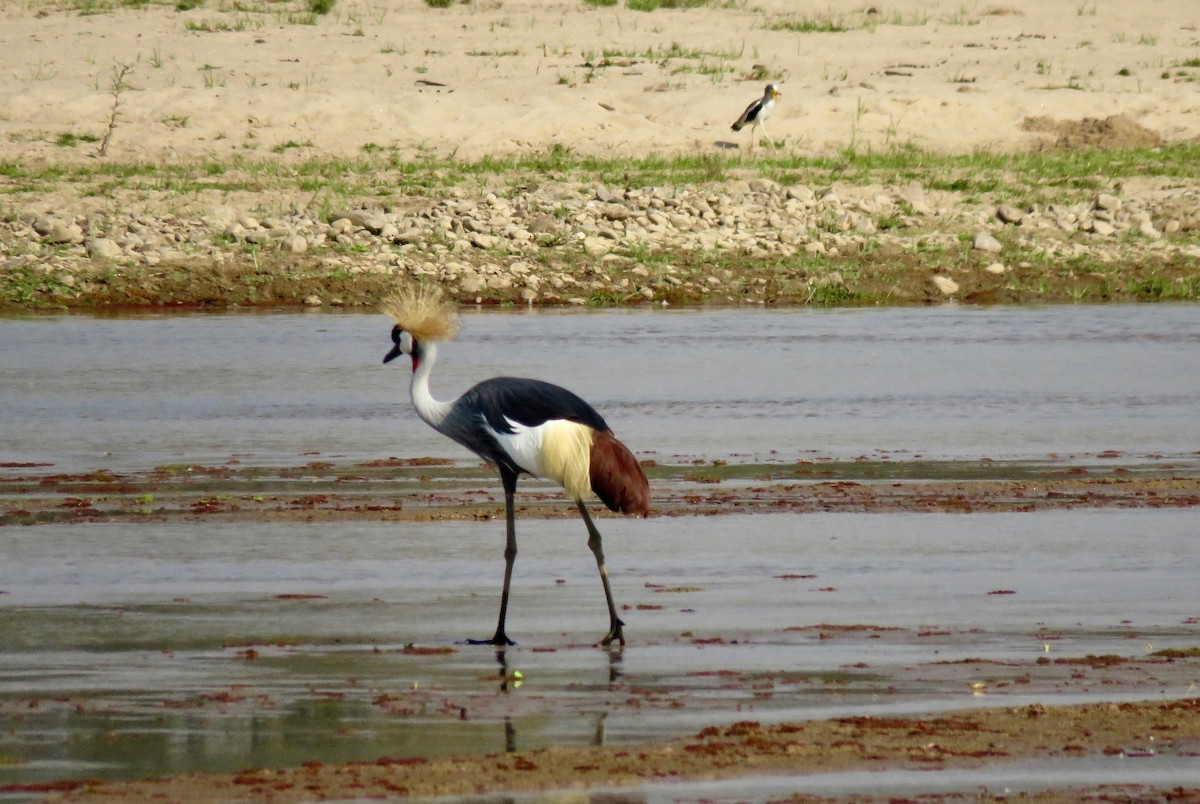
pixel 617 477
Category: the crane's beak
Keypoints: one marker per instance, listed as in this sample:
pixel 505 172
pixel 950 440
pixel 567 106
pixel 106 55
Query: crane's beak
pixel 393 354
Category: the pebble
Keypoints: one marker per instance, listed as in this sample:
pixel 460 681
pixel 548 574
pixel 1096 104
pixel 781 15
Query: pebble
pixel 103 248
pixel 293 244
pixel 506 243
pixel 1010 214
pixel 985 242
pixel 945 284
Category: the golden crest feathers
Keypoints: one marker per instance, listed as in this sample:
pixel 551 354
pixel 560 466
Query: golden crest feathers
pixel 423 312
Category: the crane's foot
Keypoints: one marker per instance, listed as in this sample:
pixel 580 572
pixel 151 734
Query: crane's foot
pixel 500 640
pixel 615 634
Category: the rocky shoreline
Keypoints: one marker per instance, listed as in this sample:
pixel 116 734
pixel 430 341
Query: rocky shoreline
pixel 739 241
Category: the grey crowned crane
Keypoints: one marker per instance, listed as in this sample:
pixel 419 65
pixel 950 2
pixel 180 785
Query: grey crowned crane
pixel 756 113
pixel 520 426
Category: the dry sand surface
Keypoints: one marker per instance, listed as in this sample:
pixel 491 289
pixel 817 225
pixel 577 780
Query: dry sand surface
pixel 502 76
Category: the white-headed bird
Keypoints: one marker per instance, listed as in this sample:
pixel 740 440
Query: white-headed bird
pixel 756 113
pixel 520 426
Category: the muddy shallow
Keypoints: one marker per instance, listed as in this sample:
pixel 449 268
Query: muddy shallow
pixel 160 614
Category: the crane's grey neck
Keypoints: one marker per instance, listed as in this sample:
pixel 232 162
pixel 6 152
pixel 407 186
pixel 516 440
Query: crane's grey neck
pixel 429 409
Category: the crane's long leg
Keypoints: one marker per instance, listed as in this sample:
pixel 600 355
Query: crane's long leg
pixel 510 556
pixel 615 624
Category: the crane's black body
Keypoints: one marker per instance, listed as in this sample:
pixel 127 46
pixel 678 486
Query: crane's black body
pixel 491 405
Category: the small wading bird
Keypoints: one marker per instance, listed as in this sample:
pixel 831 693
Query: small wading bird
pixel 520 426
pixel 756 114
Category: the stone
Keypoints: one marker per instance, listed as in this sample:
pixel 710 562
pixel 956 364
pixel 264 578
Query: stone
pixel 219 217
pixel 103 248
pixel 293 244
pixel 1007 213
pixel 544 224
pixel 59 232
pixel 313 300
pixel 616 212
pixel 985 242
pixel 945 284
pixel 800 193
pixel 595 246
pixel 997 268
pixel 1107 202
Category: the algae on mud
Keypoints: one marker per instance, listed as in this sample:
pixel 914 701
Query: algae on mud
pixel 425 489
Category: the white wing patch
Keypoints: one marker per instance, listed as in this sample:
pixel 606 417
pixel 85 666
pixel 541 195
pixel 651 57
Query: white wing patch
pixel 557 449
pixel 522 445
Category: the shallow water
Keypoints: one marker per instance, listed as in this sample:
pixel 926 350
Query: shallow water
pixel 126 648
pixel 136 649
pixel 939 382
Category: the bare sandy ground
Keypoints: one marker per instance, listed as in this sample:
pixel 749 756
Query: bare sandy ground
pixel 509 76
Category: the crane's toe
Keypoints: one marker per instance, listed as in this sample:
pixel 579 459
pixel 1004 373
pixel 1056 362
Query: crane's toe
pixel 615 634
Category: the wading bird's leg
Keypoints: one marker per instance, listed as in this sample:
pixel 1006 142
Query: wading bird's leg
pixel 510 557
pixel 615 624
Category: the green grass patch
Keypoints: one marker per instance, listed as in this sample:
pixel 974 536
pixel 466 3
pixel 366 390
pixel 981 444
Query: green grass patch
pixel 655 5
pixel 1061 176
pixel 823 23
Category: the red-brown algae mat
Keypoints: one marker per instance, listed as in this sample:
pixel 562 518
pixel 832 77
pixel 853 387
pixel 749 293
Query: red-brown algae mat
pixel 966 739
